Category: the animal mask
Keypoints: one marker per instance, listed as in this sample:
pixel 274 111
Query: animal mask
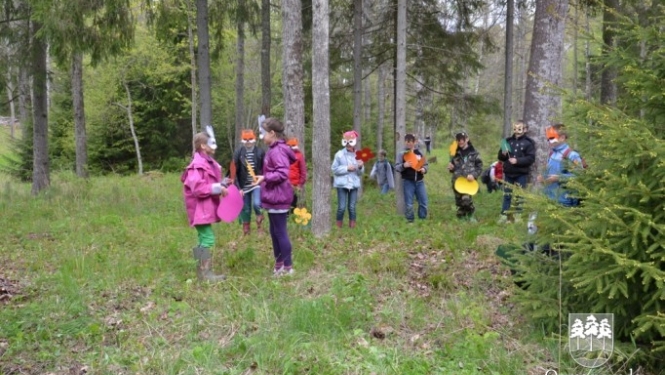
pixel 519 129
pixel 247 136
pixel 349 138
pixel 262 131
pixel 552 134
pixel 212 143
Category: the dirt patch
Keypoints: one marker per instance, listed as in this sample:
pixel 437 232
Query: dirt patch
pixel 8 289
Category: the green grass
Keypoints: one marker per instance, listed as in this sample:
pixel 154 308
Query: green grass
pixel 106 282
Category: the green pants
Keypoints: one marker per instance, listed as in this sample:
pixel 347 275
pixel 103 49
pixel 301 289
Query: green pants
pixel 206 235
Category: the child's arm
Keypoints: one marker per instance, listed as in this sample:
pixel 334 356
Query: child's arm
pixel 338 169
pixel 399 162
pixel 425 167
pixel 278 170
pixel 372 173
pixel 196 183
pixel 477 167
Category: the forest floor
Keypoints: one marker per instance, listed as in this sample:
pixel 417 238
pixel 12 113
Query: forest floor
pixel 98 277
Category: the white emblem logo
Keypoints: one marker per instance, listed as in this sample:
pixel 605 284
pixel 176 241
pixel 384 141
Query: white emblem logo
pixel 590 338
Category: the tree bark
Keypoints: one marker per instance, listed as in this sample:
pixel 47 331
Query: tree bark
pixel 542 104
pixel 608 87
pixel 266 81
pixel 508 77
pixel 357 67
pixel 10 100
pixel 79 116
pixel 292 76
pixel 192 70
pixel 24 99
pixel 40 168
pixel 400 97
pixel 240 81
pixel 321 210
pixel 381 105
pixel 204 62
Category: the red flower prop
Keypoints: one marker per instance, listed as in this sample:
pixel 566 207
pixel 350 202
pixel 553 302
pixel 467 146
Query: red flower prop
pixel 365 154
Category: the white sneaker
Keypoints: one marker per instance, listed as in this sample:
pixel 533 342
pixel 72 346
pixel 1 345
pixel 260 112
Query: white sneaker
pixel 278 272
pixel 502 219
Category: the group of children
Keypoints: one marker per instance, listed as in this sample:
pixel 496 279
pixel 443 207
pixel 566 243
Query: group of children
pixel 273 180
pixel 265 177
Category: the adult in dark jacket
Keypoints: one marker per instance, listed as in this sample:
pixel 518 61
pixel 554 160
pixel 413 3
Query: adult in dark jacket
pixel 518 153
pixel 246 164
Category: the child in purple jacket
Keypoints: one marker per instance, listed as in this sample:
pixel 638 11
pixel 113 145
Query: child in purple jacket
pixel 203 185
pixel 277 192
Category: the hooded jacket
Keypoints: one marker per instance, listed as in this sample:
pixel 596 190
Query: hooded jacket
pixel 200 203
pixel 276 189
pixel 467 162
pixel 343 178
pixel 298 171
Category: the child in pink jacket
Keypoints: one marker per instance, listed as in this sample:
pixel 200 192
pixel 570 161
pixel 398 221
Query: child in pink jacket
pixel 203 187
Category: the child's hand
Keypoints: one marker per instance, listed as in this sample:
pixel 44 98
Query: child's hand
pixel 451 166
pixel 217 188
pixel 224 192
pixel 407 164
pixel 259 180
pixel 242 193
pixel 470 177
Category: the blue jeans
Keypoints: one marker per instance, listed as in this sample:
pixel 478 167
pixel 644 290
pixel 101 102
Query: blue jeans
pixel 346 197
pixel 384 188
pixel 417 189
pixel 251 200
pixel 508 191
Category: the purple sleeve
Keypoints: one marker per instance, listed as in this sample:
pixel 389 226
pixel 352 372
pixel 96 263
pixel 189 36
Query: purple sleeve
pixel 277 167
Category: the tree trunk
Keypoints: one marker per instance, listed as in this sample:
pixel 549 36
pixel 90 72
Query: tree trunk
pixel 204 62
pixel 192 70
pixel 10 98
pixel 265 58
pixel 79 116
pixel 400 97
pixel 381 105
pixel 321 210
pixel 587 57
pixel 357 67
pixel 608 87
pixel 522 58
pixel 292 76
pixel 576 19
pixel 130 117
pixel 508 77
pixel 240 81
pixel 40 167
pixel 542 105
pixel 23 97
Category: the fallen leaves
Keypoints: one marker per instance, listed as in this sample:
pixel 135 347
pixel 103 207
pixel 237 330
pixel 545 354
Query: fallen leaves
pixel 8 289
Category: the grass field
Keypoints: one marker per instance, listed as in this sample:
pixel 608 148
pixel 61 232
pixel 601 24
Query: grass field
pixel 102 281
